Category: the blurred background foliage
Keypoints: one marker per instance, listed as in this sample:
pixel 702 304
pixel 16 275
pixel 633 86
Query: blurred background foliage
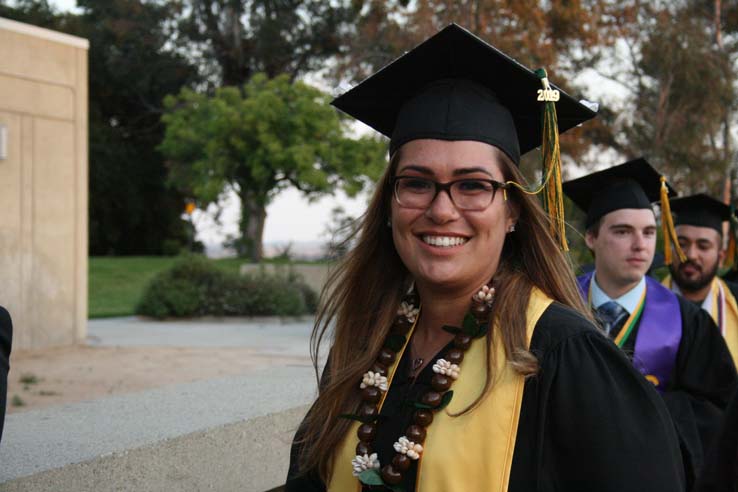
pixel 178 87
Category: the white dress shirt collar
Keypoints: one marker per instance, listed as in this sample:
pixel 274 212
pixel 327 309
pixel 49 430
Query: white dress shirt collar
pixel 629 300
pixel 706 304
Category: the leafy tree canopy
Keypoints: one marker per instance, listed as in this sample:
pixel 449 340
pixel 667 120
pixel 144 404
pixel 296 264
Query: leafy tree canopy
pixel 259 140
pixel 275 37
pixel 680 82
pixel 131 69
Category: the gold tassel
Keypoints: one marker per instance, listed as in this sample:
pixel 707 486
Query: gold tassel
pixel 551 154
pixel 667 226
pixel 730 255
pixel 553 198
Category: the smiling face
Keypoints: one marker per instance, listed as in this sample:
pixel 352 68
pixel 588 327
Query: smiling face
pixel 624 246
pixel 703 248
pixel 445 248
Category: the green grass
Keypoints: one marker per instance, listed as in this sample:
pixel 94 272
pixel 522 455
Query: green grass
pixel 116 283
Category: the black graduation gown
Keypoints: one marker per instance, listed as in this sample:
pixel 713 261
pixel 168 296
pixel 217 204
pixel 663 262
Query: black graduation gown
pixel 588 420
pixel 731 276
pixel 701 386
pixel 733 287
pixel 720 472
pixel 6 337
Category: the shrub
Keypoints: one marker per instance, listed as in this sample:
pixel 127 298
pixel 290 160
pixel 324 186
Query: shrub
pixel 171 247
pixel 195 286
pixel 311 297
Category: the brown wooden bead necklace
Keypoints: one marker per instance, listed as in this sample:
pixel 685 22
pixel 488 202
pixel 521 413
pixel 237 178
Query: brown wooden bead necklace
pixel 374 384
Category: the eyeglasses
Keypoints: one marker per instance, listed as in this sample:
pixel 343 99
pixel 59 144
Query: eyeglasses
pixel 465 194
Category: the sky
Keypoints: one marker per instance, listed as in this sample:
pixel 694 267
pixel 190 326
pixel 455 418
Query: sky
pixel 290 218
pixel 64 4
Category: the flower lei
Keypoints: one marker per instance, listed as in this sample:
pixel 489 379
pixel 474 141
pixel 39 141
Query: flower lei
pixel 374 384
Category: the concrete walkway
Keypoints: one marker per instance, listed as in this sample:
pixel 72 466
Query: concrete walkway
pixel 220 434
pixel 273 335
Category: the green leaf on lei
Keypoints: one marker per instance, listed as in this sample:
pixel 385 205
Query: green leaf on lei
pixel 445 400
pixel 371 477
pixel 470 326
pixel 454 330
pixel 483 328
pixel 363 420
pixel 417 404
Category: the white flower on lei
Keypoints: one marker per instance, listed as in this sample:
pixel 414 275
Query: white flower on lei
pixel 374 379
pixel 408 448
pixel 486 295
pixel 366 462
pixel 409 311
pixel 442 366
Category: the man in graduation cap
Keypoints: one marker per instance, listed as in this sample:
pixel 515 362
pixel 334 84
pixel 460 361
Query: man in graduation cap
pixel 699 223
pixel 545 402
pixel 672 342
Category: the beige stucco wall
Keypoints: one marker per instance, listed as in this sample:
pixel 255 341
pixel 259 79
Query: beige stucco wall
pixel 43 185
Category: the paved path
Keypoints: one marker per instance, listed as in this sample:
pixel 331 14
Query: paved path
pixel 46 439
pixel 40 440
pixel 272 335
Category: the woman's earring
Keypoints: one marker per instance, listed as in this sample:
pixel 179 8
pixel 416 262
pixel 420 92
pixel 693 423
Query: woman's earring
pixel 512 228
pixel 389 223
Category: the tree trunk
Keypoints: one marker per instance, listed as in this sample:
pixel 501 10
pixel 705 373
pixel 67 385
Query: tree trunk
pixel 730 178
pixel 253 216
pixel 717 22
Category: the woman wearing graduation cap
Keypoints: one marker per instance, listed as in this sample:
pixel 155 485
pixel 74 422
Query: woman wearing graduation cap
pixel 461 358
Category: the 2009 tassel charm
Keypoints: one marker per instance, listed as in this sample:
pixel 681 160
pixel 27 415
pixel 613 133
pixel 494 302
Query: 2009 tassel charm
pixel 374 384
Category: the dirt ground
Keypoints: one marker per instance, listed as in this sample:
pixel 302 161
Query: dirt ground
pixel 41 378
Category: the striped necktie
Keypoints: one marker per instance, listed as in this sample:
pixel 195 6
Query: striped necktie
pixel 612 316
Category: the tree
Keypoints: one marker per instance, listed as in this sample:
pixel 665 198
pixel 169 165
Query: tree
pixel 131 69
pixel 132 210
pixel 341 233
pixel 680 95
pixel 244 37
pixel 259 140
pixel 35 12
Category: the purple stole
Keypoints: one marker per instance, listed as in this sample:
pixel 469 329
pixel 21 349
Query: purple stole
pixel 659 331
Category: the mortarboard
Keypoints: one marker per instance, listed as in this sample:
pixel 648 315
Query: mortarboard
pixel 700 210
pixel 634 185
pixel 455 86
pixel 704 211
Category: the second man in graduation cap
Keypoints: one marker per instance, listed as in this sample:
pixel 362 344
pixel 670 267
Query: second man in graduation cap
pixel 699 223
pixel 489 375
pixel 674 344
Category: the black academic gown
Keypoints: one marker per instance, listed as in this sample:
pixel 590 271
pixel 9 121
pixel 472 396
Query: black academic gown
pixel 702 383
pixel 731 276
pixel 6 337
pixel 720 472
pixel 588 420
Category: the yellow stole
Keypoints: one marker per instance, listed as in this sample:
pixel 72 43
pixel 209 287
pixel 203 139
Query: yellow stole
pixel 731 319
pixel 483 439
pixel 730 313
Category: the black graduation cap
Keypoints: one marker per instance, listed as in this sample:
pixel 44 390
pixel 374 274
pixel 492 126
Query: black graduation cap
pixel 455 86
pixel 633 184
pixel 700 210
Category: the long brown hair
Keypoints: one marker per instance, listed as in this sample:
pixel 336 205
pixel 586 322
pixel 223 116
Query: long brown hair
pixel 361 296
